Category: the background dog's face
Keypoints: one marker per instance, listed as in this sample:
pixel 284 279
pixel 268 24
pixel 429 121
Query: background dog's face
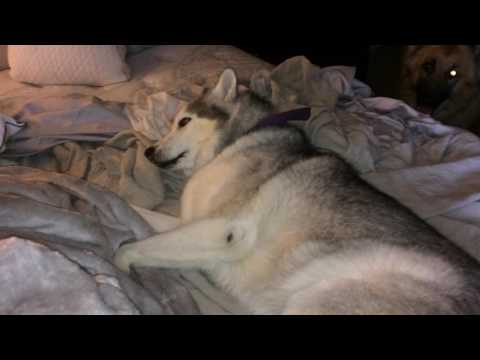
pixel 435 72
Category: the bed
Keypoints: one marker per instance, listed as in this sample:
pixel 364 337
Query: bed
pixel 72 165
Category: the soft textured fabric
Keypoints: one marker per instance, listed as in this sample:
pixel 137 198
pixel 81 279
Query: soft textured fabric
pixel 51 121
pixel 96 65
pixel 8 127
pixel 201 65
pixel 3 57
pixel 87 138
pixel 59 260
pixel 120 166
pixel 163 68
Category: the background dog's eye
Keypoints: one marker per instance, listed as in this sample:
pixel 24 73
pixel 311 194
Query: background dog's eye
pixel 453 73
pixel 184 122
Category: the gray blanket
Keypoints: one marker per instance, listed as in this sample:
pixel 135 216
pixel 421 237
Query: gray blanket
pixel 8 128
pixel 79 226
pixel 51 121
pixel 118 165
pixel 73 230
pixel 37 209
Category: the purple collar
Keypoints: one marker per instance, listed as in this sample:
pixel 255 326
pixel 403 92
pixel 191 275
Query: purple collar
pixel 284 118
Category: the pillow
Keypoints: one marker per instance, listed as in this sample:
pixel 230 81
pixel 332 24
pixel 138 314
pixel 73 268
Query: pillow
pixel 96 65
pixel 3 57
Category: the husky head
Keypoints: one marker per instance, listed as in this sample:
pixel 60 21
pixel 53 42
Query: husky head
pixel 206 126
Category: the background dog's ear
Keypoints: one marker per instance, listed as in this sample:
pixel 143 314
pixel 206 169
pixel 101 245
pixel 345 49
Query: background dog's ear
pixel 476 55
pixel 226 88
pixel 476 50
pixel 410 50
pixel 261 85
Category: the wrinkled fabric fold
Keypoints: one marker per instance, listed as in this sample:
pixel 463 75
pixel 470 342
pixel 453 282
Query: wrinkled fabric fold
pixel 60 234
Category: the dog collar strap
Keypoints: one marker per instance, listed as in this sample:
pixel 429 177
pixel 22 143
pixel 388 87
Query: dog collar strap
pixel 284 118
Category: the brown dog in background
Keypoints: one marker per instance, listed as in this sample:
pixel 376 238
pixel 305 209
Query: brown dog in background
pixel 442 81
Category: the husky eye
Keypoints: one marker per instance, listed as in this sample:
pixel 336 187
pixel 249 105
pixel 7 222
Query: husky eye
pixel 184 122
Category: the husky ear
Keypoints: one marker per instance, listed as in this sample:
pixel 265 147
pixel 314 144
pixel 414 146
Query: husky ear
pixel 226 88
pixel 261 85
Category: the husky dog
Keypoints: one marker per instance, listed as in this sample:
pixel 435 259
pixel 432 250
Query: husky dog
pixel 289 230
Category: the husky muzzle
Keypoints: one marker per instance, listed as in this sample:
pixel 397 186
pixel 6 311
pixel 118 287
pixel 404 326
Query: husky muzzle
pixel 154 155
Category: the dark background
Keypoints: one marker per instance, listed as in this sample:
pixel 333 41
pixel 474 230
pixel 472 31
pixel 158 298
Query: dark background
pixel 322 55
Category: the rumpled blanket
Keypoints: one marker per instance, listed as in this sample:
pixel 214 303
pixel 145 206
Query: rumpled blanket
pixel 73 230
pixel 432 169
pixel 52 121
pixel 117 165
pixel 88 138
pixel 8 127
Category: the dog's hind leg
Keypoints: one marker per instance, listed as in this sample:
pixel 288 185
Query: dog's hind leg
pixel 159 222
pixel 197 245
pixel 401 296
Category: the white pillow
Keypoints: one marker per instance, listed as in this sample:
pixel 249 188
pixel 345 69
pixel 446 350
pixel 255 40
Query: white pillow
pixel 96 65
pixel 3 57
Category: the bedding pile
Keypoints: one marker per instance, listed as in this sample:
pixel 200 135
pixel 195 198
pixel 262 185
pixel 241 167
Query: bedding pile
pixel 8 127
pixel 73 229
pixel 55 120
pixel 65 205
pixel 430 168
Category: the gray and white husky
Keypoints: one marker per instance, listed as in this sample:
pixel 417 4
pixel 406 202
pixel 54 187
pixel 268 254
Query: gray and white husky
pixel 288 230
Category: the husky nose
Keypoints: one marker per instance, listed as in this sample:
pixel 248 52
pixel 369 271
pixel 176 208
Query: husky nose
pixel 150 153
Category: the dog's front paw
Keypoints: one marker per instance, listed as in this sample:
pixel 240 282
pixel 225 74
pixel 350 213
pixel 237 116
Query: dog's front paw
pixel 124 258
